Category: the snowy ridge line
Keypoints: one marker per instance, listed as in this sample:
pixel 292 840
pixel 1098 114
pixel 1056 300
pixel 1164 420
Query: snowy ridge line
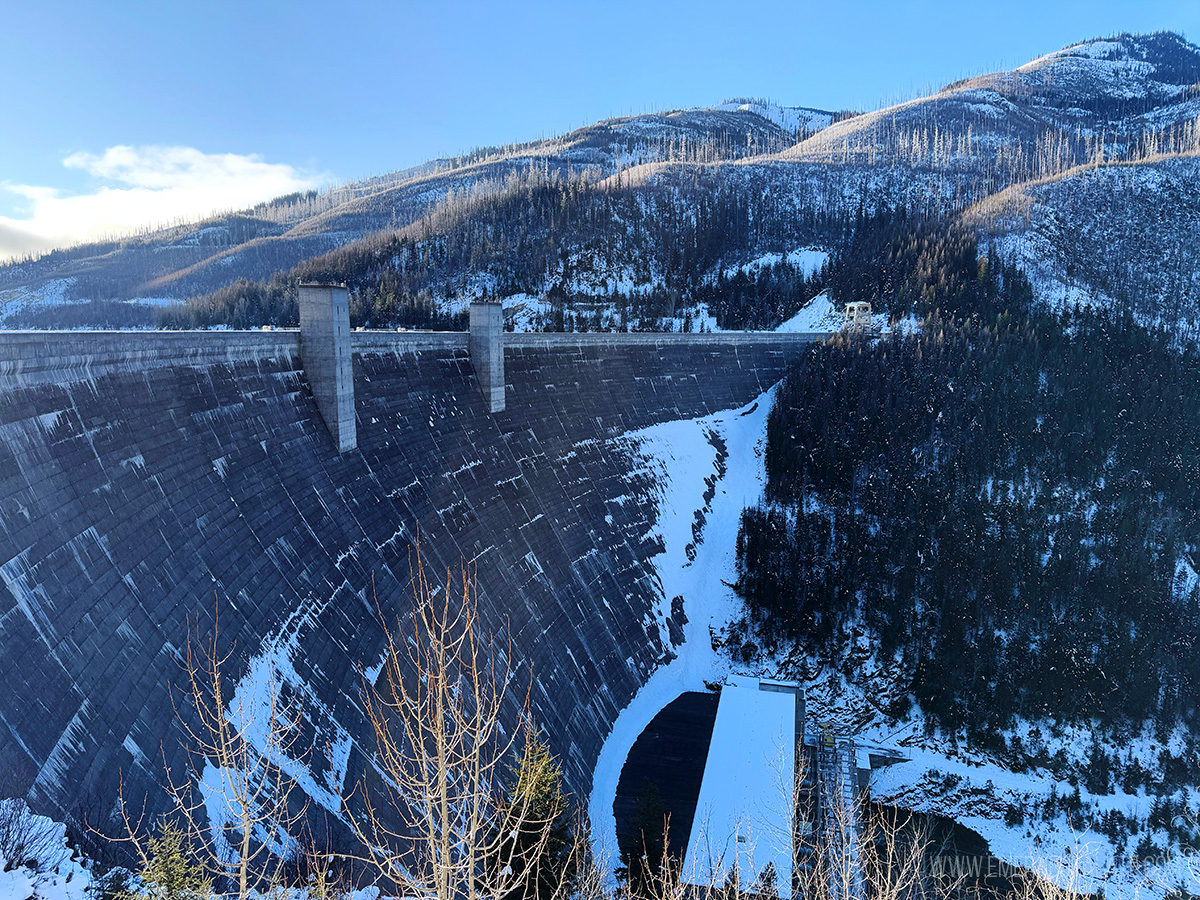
pixel 790 118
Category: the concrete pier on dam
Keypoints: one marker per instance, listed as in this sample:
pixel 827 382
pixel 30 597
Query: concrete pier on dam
pixel 149 480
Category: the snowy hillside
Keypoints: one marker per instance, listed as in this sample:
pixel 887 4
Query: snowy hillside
pixel 1155 68
pixel 194 259
pixel 1118 236
pixel 786 174
pixel 797 120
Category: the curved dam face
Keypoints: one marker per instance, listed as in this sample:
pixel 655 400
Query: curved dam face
pixel 152 482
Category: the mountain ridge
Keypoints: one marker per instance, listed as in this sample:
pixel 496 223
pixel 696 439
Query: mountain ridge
pixel 1122 98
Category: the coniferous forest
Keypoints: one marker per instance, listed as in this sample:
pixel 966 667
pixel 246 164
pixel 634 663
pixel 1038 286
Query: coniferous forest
pixel 643 252
pixel 1007 500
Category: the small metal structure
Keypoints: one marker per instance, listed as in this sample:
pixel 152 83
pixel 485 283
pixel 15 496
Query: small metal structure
pixel 857 316
pixel 837 766
pixel 832 786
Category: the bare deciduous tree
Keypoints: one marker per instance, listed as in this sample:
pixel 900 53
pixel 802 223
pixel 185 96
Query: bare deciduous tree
pixel 840 850
pixel 431 811
pixel 854 852
pixel 235 801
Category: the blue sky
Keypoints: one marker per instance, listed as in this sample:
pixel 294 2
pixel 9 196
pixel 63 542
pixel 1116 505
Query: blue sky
pixel 129 111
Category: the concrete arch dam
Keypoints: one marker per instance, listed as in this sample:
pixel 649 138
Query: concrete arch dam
pixel 149 478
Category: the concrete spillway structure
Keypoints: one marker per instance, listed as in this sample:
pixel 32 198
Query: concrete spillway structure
pixel 154 481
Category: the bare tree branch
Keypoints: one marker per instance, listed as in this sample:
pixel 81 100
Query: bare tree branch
pixel 432 815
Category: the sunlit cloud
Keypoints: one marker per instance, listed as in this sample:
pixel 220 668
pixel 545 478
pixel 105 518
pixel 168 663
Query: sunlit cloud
pixel 141 187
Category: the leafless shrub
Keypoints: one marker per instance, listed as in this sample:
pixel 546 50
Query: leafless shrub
pixel 238 749
pixel 28 840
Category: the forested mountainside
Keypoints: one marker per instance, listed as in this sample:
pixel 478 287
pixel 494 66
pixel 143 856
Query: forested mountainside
pixel 1117 236
pixel 632 222
pixel 608 255
pixel 993 520
pixel 184 261
pixel 1031 485
pixel 1123 98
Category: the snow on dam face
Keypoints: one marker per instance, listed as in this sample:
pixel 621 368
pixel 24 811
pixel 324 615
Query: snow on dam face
pixel 153 481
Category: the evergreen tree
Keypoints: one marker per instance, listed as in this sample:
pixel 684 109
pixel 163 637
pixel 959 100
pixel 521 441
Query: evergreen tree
pixel 535 816
pixel 766 885
pixel 1098 771
pixel 169 870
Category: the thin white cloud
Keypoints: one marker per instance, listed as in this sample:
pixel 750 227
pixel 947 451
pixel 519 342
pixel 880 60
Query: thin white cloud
pixel 145 186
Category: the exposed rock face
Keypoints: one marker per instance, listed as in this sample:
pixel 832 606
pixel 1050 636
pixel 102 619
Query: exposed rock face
pixel 149 479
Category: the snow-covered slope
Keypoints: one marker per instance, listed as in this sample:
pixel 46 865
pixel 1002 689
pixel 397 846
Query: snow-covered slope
pixel 1125 97
pixel 1156 68
pixel 182 261
pixel 797 120
pixel 1117 236
pixel 707 470
pixel 1099 99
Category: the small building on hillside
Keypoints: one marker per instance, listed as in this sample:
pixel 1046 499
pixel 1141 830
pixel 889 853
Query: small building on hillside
pixel 857 316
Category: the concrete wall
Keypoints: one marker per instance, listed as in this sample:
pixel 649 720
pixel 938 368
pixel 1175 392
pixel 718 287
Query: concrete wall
pixel 28 358
pixel 325 349
pixel 148 480
pixel 487 351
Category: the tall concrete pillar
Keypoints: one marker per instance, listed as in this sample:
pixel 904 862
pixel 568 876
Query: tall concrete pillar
pixel 487 351
pixel 325 352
